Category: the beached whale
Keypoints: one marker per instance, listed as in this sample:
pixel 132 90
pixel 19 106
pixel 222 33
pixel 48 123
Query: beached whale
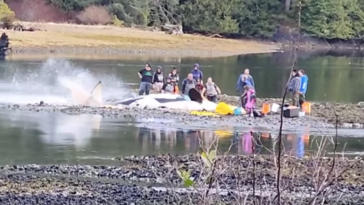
pixel 170 101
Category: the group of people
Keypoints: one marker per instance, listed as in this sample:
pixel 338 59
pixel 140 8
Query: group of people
pixel 169 84
pixel 246 88
pixel 297 86
pixel 245 85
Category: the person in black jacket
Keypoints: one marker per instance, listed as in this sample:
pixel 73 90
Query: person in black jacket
pixel 158 79
pixel 146 77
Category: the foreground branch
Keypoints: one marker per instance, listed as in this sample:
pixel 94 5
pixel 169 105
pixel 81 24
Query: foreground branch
pixel 279 156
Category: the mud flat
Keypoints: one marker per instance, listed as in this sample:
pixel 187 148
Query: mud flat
pixel 233 174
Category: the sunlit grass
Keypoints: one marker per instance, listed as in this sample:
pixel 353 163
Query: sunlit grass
pixel 70 35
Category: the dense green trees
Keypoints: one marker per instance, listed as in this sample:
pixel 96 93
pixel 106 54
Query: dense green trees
pixel 326 19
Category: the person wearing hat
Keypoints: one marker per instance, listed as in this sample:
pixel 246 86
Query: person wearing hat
pixel 168 86
pixel 158 80
pixel 197 73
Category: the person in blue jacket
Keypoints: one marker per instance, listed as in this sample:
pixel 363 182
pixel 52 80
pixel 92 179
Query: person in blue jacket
pixel 197 73
pixel 303 87
pixel 242 80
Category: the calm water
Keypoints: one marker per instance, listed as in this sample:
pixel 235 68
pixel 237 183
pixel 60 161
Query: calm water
pixel 28 137
pixel 58 138
pixel 331 78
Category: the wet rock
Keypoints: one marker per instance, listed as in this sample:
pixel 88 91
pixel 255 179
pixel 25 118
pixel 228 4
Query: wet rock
pixel 232 172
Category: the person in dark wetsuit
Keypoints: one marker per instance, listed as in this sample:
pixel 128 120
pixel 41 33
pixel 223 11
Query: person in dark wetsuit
pixel 146 77
pixel 168 86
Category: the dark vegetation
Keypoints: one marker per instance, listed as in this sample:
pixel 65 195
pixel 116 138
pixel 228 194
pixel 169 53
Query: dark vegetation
pixel 330 21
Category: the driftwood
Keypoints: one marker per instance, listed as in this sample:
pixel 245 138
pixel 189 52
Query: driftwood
pixel 172 29
pixel 18 27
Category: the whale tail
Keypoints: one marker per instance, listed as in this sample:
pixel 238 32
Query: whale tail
pixel 87 99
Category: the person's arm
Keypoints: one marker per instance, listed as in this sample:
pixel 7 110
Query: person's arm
pixel 140 74
pixel 201 75
pixel 154 79
pixel 183 87
pixel 203 91
pixel 218 89
pixel 292 84
pixel 164 87
pixel 177 78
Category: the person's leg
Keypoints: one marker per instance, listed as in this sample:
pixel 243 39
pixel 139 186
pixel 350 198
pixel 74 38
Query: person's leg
pixel 210 98
pixel 142 88
pixel 148 87
pixel 160 86
pixel 214 99
pixel 302 99
pixel 295 99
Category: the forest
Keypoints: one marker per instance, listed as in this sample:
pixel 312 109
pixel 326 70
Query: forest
pixel 321 19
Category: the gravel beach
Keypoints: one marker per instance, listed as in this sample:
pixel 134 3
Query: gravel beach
pixel 323 115
pixel 65 184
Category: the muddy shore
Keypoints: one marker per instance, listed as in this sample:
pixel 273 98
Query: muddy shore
pixel 64 184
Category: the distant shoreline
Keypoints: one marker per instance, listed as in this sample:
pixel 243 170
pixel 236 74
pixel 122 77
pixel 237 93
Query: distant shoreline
pixel 110 40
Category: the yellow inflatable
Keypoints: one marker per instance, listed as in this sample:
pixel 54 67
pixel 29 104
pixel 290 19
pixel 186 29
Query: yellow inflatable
pixel 225 109
pixel 204 113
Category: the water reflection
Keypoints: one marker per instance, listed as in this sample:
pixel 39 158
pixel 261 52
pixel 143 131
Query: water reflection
pixel 29 137
pixel 235 142
pixel 58 128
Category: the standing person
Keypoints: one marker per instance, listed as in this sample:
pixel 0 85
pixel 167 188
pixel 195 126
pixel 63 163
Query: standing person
pixel 247 87
pixel 294 87
pixel 188 84
pixel 303 87
pixel 174 78
pixel 158 79
pixel 146 76
pixel 168 87
pixel 211 90
pixel 197 73
pixel 243 79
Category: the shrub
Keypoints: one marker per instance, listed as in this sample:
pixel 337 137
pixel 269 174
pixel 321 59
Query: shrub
pixel 94 15
pixel 117 22
pixel 7 16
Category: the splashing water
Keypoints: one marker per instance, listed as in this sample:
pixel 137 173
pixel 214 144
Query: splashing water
pixel 52 82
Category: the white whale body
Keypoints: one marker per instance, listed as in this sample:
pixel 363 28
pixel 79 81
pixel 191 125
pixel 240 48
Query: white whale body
pixel 152 101
pixel 170 101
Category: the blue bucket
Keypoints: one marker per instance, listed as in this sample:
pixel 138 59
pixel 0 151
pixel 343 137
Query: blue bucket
pixel 237 111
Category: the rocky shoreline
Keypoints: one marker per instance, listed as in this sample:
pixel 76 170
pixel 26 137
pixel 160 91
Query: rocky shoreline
pixel 65 184
pixel 323 115
pixel 116 51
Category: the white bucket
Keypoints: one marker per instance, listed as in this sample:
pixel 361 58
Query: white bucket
pixel 275 107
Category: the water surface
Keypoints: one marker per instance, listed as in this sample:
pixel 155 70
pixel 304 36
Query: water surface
pixel 331 77
pixel 27 137
pixel 30 137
